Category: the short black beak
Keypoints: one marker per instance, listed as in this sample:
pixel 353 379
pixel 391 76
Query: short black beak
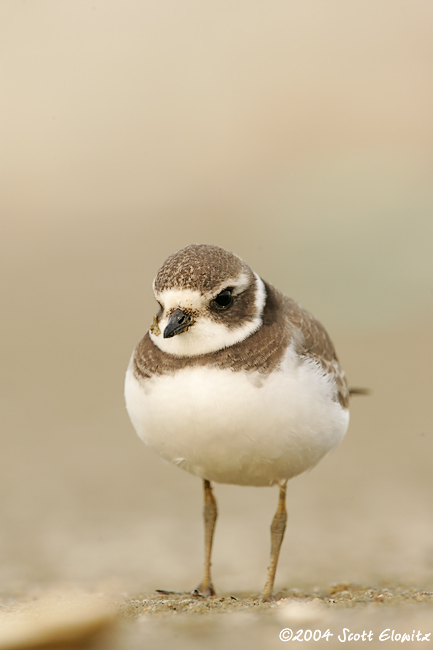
pixel 178 322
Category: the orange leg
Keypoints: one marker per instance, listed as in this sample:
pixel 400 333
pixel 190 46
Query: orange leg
pixel 210 516
pixel 278 527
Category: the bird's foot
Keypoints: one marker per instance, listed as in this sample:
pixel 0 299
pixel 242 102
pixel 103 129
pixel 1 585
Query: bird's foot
pixel 267 596
pixel 204 590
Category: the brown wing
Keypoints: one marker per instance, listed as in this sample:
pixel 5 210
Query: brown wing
pixel 315 343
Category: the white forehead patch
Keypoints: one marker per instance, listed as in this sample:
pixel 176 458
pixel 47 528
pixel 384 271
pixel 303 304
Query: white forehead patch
pixel 172 299
pixel 205 335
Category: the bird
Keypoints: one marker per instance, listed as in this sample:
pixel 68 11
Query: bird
pixel 235 383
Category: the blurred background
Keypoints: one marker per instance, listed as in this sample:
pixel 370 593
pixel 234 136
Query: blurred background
pixel 298 135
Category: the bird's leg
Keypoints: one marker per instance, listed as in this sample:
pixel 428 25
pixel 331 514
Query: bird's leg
pixel 278 527
pixel 210 513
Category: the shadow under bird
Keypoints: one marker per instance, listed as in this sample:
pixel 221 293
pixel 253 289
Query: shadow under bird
pixel 234 383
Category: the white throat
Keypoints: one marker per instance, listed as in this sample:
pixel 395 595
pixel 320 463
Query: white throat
pixel 205 335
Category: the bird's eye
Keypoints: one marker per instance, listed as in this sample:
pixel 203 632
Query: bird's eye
pixel 224 299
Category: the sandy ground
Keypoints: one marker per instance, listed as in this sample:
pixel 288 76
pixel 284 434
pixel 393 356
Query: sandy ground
pixel 339 613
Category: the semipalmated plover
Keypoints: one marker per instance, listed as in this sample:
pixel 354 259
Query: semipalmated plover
pixel 235 383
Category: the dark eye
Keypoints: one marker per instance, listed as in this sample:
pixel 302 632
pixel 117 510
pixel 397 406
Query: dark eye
pixel 224 299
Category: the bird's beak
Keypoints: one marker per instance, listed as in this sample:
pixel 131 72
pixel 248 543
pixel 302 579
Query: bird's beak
pixel 178 322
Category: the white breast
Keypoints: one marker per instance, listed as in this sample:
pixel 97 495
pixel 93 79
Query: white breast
pixel 237 427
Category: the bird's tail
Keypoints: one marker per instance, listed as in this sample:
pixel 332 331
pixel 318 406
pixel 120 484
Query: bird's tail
pixel 359 391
